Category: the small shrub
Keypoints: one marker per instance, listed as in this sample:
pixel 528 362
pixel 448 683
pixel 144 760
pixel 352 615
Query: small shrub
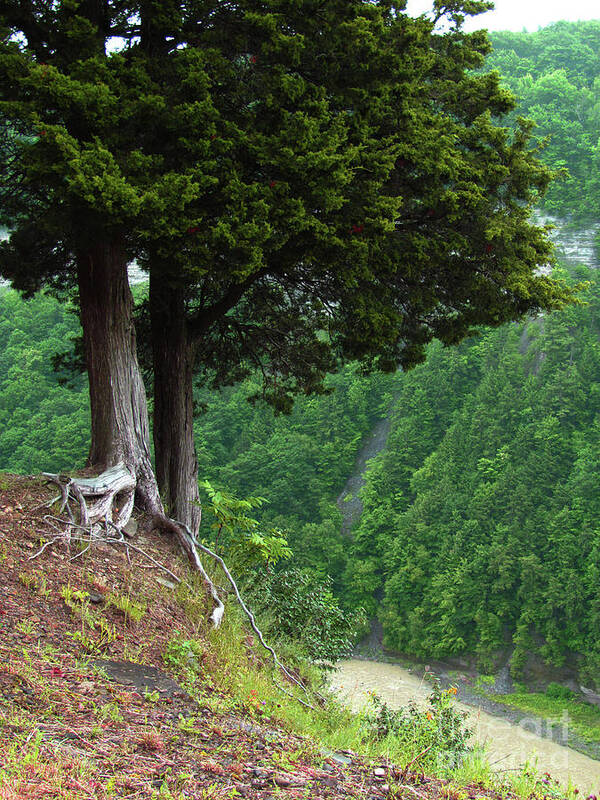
pixel 558 692
pixel 439 727
pixel 303 609
pixel 183 654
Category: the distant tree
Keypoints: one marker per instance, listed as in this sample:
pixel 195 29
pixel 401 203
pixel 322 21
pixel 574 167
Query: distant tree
pixel 555 74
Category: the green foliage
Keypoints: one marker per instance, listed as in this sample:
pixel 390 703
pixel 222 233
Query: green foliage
pixel 285 211
pixel 239 536
pixel 131 609
pixel 481 517
pixel 299 462
pixel 300 606
pixel 43 426
pixel 559 707
pixel 183 654
pixel 439 729
pixel 558 692
pixel 555 73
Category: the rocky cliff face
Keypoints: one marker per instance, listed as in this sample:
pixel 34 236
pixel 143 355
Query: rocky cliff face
pixel 575 245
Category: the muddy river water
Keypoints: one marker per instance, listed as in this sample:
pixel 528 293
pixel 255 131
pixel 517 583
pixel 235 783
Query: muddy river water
pixel 508 745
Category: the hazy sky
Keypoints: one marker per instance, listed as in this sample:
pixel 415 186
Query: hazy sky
pixel 514 15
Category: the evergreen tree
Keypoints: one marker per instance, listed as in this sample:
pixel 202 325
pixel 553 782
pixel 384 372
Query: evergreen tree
pixel 307 182
pixel 361 150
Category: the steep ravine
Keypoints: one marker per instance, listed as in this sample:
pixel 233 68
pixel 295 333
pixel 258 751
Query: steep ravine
pixel 574 246
pixel 503 724
pixel 349 502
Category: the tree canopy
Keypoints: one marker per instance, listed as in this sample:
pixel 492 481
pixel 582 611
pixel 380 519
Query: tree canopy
pixel 555 75
pixel 317 182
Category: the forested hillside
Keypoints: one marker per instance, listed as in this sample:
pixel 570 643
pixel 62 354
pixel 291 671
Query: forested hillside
pixel 481 517
pixel 298 462
pixel 555 73
pixel 43 426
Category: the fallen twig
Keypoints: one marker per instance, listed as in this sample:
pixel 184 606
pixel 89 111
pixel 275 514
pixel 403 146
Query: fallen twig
pixel 415 759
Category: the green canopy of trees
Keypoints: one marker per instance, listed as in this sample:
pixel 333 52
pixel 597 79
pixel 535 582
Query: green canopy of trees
pixel 555 73
pixel 307 183
pixel 42 425
pixel 481 517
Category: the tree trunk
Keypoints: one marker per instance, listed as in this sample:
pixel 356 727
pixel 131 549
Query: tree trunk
pixel 120 430
pixel 173 354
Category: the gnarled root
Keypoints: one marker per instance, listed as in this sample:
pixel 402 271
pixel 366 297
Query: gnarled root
pixel 95 499
pixel 108 498
pixel 190 546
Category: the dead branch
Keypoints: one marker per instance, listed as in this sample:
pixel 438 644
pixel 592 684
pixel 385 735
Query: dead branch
pixel 189 544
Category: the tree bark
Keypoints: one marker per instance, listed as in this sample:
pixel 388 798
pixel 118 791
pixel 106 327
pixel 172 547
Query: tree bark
pixel 120 431
pixel 174 353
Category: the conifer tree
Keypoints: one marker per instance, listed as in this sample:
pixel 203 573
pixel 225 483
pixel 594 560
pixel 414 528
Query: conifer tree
pixel 307 182
pixel 369 204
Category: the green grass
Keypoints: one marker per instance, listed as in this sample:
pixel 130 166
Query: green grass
pixel 583 718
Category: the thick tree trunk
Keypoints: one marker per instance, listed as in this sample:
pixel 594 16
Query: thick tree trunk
pixel 120 430
pixel 175 452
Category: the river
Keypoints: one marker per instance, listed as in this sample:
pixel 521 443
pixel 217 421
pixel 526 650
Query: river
pixel 508 745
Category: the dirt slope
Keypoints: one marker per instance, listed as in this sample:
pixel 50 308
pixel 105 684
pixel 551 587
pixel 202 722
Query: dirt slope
pixel 90 704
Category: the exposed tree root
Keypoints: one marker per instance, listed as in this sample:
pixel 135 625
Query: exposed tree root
pixel 107 498
pixel 293 678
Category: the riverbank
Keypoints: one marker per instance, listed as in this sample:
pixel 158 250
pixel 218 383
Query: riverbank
pixel 511 734
pixel 540 712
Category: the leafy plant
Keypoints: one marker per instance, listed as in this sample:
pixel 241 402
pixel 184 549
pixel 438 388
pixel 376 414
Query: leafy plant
pixel 302 608
pixel 183 654
pixel 558 692
pixel 77 600
pixel 240 536
pixel 131 609
pixel 438 732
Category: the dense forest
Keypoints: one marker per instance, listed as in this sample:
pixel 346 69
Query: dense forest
pixel 481 517
pixel 555 74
